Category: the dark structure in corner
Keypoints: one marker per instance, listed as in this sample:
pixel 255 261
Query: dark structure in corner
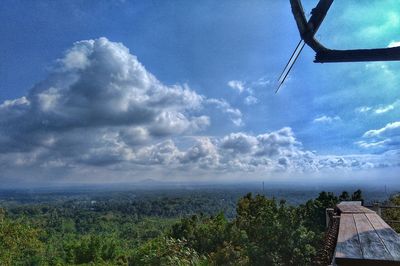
pixel 308 29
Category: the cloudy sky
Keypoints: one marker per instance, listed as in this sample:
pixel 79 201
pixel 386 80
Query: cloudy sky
pixel 117 91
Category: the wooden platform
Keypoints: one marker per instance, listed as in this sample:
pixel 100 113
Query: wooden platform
pixel 353 207
pixel 364 238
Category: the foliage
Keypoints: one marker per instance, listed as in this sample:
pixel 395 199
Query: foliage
pixel 264 232
pixel 275 234
pixel 19 243
pixel 393 214
pixel 344 196
pixel 357 196
pixel 203 234
pixel 164 230
pixel 167 251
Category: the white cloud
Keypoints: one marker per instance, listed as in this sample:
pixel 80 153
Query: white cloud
pixel 78 56
pixel 234 113
pixel 237 85
pixel 249 100
pixel 383 139
pixel 241 87
pixel 15 103
pixel 394 44
pixel 363 109
pixel 129 150
pixel 169 123
pixel 239 143
pixel 261 82
pixel 134 136
pixel 269 152
pixel 100 110
pixel 379 109
pixel 370 144
pixel 99 88
pixel 384 109
pixel 203 154
pixel 326 119
pixel 163 153
pixel 391 129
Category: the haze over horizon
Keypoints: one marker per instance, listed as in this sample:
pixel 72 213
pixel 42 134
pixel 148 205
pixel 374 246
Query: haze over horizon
pixel 123 91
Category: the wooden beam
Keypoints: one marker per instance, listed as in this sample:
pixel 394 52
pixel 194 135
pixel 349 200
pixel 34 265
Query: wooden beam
pixel 371 244
pixel 348 244
pixel 298 13
pixel 389 237
pixel 318 14
pixel 309 29
pixel 360 55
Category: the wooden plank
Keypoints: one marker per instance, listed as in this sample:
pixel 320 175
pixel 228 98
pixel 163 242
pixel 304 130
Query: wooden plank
pixel 306 32
pixel 318 14
pixel 353 202
pixel 389 237
pixel 371 244
pixel 348 245
pixel 351 208
pixel 359 55
pixel 299 16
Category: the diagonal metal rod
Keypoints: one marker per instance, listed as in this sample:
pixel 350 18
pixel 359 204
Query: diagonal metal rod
pixel 290 64
pixel 291 57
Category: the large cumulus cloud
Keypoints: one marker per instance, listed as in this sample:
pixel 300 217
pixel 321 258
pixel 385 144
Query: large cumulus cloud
pixel 98 84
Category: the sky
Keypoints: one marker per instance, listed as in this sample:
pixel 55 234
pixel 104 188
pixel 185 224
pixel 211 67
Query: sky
pixel 124 91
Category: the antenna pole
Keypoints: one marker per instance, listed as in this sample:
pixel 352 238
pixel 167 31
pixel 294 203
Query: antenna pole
pixel 290 64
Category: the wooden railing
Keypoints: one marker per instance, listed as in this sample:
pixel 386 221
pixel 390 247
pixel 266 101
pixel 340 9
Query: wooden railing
pixel 379 209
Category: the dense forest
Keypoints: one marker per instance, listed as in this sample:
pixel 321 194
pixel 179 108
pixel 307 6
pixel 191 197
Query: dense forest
pixel 191 228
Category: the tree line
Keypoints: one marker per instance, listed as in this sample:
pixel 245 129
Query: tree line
pixel 262 231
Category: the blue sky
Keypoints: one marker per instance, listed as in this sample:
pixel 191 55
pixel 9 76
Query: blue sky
pixel 104 91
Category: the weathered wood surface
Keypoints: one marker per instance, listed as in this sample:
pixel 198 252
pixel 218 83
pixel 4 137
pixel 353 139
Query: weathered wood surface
pixel 365 239
pixel 389 237
pixel 370 242
pixel 353 202
pixel 359 55
pixel 348 243
pixel 353 208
